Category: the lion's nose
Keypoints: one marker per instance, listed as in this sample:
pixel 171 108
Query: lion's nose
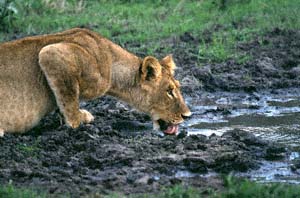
pixel 186 115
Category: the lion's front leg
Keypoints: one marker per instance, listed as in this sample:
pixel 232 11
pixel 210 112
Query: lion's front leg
pixel 57 61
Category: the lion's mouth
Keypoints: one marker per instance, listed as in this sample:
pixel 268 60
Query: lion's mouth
pixel 168 128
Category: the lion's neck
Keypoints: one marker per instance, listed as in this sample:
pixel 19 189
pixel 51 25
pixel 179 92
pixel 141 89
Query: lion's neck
pixel 125 77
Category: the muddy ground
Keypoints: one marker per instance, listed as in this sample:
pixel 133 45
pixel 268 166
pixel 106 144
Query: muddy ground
pixel 274 63
pixel 120 152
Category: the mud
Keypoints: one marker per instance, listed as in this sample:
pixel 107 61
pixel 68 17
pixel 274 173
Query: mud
pixel 120 152
pixel 274 63
pixel 97 158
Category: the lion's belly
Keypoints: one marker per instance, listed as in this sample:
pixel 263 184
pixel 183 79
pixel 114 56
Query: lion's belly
pixel 23 103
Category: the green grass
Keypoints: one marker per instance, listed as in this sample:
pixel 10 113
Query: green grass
pixel 30 150
pixel 151 21
pixel 234 188
pixel 10 191
pixel 241 20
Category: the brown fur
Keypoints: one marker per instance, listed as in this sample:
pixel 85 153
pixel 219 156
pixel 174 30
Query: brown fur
pixel 41 73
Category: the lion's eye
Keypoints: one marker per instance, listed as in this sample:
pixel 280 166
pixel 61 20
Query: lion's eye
pixel 170 92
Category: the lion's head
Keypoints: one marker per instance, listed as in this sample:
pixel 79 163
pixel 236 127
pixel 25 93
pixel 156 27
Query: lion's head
pixel 162 96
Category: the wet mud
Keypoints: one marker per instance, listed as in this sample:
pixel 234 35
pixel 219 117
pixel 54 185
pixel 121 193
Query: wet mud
pixel 95 158
pixel 274 63
pixel 120 152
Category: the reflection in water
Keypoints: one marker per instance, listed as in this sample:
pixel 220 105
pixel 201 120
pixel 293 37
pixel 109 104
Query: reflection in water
pixel 270 116
pixel 284 128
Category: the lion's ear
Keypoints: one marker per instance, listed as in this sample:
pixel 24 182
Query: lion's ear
pixel 151 69
pixel 168 63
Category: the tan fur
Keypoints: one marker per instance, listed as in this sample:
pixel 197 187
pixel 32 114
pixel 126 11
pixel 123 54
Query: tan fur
pixel 41 73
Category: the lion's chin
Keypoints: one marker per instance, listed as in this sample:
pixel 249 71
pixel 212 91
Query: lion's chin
pixel 167 128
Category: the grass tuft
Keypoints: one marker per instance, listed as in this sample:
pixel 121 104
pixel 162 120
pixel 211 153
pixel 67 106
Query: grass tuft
pixel 236 189
pixel 233 188
pixel 10 191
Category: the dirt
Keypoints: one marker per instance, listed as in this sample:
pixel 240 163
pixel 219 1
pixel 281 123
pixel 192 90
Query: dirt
pixel 120 152
pixel 274 63
pixel 97 158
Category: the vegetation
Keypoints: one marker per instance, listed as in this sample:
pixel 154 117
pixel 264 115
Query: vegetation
pixel 10 191
pixel 30 150
pixel 7 12
pixel 234 188
pixel 227 22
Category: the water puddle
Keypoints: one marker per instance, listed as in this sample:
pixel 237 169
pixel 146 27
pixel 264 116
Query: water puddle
pixel 273 172
pixel 270 116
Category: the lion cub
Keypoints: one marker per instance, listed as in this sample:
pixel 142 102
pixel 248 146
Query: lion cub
pixel 40 73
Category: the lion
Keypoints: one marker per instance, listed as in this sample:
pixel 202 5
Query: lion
pixel 39 74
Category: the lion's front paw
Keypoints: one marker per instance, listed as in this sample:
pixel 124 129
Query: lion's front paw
pixel 82 117
pixel 86 117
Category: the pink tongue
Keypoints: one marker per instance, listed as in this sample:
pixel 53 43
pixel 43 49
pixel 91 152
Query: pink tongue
pixel 172 129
